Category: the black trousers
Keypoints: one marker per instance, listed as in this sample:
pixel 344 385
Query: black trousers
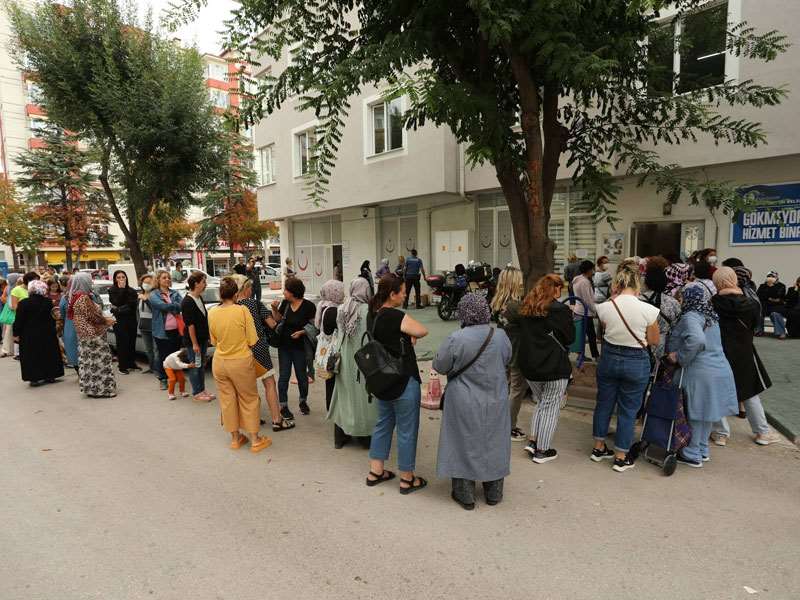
pixel 125 334
pixel 591 335
pixel 412 282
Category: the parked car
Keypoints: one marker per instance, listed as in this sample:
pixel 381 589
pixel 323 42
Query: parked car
pixel 210 299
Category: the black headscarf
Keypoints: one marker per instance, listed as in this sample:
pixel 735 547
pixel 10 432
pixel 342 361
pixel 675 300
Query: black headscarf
pixel 119 296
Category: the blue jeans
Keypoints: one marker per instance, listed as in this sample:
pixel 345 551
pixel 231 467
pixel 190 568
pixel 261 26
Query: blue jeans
pixel 286 358
pixel 403 412
pixel 150 350
pixel 622 376
pixel 698 446
pixel 198 375
pixel 778 323
pixel 166 346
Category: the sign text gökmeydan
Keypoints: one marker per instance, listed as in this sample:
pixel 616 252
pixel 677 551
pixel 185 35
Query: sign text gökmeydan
pixel 775 219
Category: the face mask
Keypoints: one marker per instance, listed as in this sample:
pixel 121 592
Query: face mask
pixel 712 260
pixel 147 287
pixel 771 280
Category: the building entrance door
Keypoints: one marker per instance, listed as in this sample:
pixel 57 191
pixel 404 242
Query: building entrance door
pixel 665 239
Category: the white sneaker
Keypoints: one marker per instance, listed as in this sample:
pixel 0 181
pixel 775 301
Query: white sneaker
pixel 719 440
pixel 765 439
pixel 171 397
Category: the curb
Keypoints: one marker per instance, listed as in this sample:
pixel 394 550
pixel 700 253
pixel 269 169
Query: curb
pixel 782 428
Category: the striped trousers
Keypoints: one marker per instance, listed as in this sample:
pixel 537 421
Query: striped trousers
pixel 547 395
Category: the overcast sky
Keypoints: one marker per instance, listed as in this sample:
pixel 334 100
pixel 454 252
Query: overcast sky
pixel 204 31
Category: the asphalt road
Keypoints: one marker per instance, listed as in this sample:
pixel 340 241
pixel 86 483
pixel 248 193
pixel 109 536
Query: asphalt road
pixel 137 497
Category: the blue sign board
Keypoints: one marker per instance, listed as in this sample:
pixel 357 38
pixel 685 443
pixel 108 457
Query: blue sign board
pixel 3 269
pixel 775 219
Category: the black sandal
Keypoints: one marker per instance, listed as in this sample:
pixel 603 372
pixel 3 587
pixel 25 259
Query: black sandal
pixel 282 425
pixel 411 487
pixel 385 476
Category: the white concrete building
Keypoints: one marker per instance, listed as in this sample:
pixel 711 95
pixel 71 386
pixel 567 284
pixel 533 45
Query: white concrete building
pixel 393 189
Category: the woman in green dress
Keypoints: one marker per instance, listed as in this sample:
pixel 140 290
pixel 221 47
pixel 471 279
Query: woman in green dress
pixel 350 408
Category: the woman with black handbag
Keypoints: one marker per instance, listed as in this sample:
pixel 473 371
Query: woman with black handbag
pixel 546 333
pixel 474 444
pixel 398 406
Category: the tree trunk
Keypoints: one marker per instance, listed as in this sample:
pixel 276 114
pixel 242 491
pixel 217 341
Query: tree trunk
pixel 15 260
pixel 68 255
pixel 129 229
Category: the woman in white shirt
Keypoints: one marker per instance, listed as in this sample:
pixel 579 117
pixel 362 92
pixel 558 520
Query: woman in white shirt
pixel 630 326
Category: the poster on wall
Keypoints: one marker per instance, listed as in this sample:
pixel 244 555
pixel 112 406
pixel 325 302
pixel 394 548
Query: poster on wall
pixel 613 246
pixel 775 218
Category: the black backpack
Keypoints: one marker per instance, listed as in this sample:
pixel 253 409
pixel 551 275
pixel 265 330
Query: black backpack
pixel 381 369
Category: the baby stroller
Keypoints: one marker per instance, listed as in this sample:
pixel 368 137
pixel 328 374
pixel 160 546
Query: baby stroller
pixel 665 429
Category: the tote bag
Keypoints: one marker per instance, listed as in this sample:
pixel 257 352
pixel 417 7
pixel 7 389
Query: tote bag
pixel 8 315
pixel 327 346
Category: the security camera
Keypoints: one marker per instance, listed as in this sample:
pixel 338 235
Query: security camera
pixel 365 212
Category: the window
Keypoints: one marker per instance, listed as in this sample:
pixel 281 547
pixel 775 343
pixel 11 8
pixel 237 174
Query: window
pixel 387 126
pixel 38 125
pixel 304 151
pixel 688 54
pixel 264 166
pixel 217 71
pixel 34 93
pixel 218 98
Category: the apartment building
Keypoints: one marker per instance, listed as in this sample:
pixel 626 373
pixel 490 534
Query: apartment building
pixel 393 189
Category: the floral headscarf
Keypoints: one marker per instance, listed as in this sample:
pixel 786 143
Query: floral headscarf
pixel 81 285
pixel 38 287
pixel 331 294
pixel 473 310
pixel 677 276
pixel 694 300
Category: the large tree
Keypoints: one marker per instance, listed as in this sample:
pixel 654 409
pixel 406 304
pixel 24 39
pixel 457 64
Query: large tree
pixel 20 228
pixel 229 206
pixel 165 232
pixel 136 96
pixel 60 184
pixel 527 85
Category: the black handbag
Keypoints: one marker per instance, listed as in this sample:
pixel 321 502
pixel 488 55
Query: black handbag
pixel 381 369
pixel 274 335
pixel 467 366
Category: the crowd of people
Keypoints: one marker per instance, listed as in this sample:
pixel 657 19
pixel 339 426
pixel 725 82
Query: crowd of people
pixel 693 315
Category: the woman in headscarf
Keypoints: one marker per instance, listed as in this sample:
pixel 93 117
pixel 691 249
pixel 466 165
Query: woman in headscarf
pixel 350 409
pixel 655 280
pixel 772 294
pixel 9 310
pixel 34 327
pixel 366 273
pixel 123 301
pixel 265 370
pixel 474 444
pixel 331 297
pixel 69 336
pixel 706 378
pixel 678 275
pixel 96 367
pixel 383 269
pixel 738 316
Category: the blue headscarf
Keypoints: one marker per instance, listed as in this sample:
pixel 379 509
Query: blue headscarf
pixel 695 300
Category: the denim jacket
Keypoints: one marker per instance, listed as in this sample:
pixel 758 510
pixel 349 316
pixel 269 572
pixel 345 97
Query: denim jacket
pixel 160 310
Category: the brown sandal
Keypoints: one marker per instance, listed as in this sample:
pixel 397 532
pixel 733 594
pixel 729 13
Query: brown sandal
pixel 239 442
pixel 258 446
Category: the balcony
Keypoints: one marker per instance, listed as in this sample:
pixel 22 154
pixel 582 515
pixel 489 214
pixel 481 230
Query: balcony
pixel 34 110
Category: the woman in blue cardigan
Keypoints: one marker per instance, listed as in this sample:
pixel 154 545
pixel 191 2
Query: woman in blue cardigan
pixel 166 306
pixel 696 345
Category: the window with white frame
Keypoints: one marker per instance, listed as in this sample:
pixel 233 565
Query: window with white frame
pixel 37 126
pixel 265 169
pixel 34 93
pixel 218 71
pixel 689 53
pixel 219 98
pixel 304 143
pixel 386 120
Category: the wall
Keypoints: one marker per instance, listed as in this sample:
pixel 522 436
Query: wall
pixel 642 204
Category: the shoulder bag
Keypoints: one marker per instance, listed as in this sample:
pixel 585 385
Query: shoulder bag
pixel 327 346
pixel 636 337
pixel 466 366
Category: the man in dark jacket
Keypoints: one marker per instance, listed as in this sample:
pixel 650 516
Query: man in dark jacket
pixel 772 294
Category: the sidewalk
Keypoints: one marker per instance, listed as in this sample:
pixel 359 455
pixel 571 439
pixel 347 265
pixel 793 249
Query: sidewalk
pixel 782 400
